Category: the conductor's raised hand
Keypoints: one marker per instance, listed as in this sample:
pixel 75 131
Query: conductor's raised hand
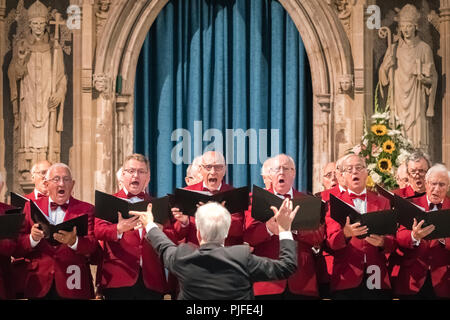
pixel 145 217
pixel 285 215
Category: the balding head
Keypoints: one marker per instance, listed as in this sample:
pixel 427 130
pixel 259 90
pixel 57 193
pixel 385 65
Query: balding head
pixel 213 169
pixel 329 179
pixel 38 172
pixel 282 173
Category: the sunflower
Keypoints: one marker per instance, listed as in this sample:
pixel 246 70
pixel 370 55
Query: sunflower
pixel 379 129
pixel 384 165
pixel 389 146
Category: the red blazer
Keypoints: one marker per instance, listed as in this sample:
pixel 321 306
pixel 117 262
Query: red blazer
pixel 324 262
pixel 7 247
pixel 19 266
pixel 349 254
pixel 404 192
pixel 429 255
pixel 121 257
pixel 235 234
pixel 58 263
pixel 336 191
pixel 304 280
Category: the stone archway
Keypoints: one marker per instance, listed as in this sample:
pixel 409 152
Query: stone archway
pixel 117 52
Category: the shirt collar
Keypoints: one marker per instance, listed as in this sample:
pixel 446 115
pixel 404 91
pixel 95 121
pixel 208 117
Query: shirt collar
pixel 218 189
pixel 50 201
pixel 36 193
pixel 126 191
pixel 290 192
pixel 341 188
pixel 429 202
pixel 358 194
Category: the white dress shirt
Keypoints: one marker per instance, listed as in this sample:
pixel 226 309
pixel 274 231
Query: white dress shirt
pixel 360 204
pixel 119 235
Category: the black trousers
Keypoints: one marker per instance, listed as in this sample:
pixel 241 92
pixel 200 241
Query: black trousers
pixel 136 292
pixel 361 292
pixel 425 293
pixel 52 294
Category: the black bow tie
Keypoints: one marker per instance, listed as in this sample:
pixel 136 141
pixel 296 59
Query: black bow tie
pixel 435 205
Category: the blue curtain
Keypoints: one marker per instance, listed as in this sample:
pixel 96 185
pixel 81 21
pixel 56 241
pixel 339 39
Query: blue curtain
pixel 226 75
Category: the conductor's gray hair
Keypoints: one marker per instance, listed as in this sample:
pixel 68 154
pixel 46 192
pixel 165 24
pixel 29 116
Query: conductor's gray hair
pixel 213 222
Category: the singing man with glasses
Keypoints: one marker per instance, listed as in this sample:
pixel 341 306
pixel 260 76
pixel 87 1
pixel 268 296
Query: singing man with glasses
pixel 213 169
pixel 424 272
pixel 62 270
pixel 359 267
pixel 263 237
pixel 131 268
pixel 417 165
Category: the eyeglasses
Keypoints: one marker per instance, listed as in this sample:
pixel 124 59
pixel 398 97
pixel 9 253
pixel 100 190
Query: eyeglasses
pixel 217 167
pixel 58 179
pixel 417 171
pixel 349 169
pixel 132 171
pixel 278 169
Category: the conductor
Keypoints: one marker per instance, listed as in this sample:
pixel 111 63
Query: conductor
pixel 214 271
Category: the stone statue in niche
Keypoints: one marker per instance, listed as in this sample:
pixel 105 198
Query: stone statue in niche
pixel 102 15
pixel 409 72
pixel 38 86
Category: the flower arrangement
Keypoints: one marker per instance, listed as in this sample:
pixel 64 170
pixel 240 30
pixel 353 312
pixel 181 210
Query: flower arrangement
pixel 384 147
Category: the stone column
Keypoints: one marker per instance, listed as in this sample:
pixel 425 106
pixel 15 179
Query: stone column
pixel 82 156
pixel 2 124
pixel 362 50
pixel 445 49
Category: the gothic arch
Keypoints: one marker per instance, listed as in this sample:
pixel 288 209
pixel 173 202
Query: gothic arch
pixel 117 53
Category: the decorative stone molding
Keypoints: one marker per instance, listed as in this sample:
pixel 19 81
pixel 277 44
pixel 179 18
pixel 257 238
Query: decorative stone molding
pixel 324 102
pixel 343 8
pixel 101 15
pixel 102 83
pixel 345 83
pixel 359 80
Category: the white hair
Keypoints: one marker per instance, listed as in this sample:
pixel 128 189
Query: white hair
pixel 266 167
pixel 194 166
pixel 57 165
pixel 341 160
pixel 437 168
pixel 291 160
pixel 213 222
